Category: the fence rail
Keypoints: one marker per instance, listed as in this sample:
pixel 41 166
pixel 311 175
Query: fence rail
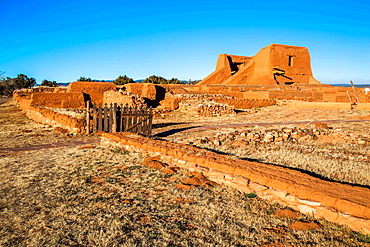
pixel 119 118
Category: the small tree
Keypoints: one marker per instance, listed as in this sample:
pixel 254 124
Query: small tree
pixel 23 81
pixel 155 80
pixel 8 85
pixel 48 83
pixel 174 81
pixel 190 82
pixel 121 80
pixel 82 78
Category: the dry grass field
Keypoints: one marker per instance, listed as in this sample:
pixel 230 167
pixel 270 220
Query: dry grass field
pixel 331 156
pixel 95 195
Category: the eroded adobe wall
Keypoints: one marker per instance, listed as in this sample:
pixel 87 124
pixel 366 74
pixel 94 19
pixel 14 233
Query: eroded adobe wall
pixel 49 117
pixel 221 73
pixel 94 91
pixel 59 100
pixel 205 108
pixel 272 65
pixel 124 98
pixel 90 87
pixel 146 90
pixel 336 202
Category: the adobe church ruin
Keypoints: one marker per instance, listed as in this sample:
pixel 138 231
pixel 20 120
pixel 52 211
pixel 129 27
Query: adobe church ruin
pixel 272 65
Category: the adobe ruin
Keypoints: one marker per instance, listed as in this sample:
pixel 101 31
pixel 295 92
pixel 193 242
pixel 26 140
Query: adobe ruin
pixel 272 65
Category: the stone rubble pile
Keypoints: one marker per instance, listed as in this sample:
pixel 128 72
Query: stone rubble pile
pixel 353 138
pixel 245 137
pixel 298 135
pixel 205 108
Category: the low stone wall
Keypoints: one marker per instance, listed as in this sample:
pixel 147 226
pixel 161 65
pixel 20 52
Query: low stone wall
pixel 336 202
pixel 246 103
pixel 49 117
pixel 205 108
pixel 124 98
pixel 172 101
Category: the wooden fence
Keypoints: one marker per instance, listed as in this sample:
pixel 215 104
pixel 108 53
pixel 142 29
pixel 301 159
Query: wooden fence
pixel 119 118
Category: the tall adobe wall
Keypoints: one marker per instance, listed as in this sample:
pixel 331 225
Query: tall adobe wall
pixel 93 91
pixel 272 65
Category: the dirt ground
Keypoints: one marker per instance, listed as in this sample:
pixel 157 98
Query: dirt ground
pixel 95 195
pixel 3 100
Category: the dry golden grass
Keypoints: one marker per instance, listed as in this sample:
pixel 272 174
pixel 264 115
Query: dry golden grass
pixel 16 130
pixel 102 196
pixel 347 163
pixel 333 159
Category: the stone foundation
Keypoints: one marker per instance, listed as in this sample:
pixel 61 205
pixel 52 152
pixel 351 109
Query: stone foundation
pixel 205 108
pixel 336 202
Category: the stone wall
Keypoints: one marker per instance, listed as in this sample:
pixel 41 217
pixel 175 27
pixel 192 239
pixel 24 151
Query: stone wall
pixel 336 202
pixel 205 108
pixel 121 97
pixel 172 101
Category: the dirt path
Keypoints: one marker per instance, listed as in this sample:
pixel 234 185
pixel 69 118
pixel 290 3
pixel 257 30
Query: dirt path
pixel 52 145
pixel 3 100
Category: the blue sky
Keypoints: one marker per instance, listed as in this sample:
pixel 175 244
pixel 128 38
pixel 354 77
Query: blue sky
pixel 63 40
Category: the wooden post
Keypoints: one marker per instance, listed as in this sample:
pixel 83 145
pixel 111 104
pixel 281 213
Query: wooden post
pixel 349 97
pixel 100 118
pixel 95 119
pixel 150 121
pixel 125 118
pixel 106 118
pixel 114 116
pixel 88 117
pixel 354 90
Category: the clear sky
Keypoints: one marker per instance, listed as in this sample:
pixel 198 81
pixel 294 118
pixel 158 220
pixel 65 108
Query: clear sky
pixel 65 39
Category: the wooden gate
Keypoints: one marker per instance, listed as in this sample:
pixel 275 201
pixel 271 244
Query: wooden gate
pixel 119 118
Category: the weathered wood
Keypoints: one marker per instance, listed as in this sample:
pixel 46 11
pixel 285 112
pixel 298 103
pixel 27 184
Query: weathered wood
pixel 88 117
pixel 349 97
pixel 354 90
pixel 100 118
pixel 95 120
pixel 150 122
pixel 106 118
pixel 119 118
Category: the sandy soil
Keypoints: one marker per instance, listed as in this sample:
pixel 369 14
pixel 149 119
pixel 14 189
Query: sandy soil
pixel 93 195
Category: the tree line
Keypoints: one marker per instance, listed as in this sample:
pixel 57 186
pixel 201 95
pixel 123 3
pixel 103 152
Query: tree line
pixel 122 80
pixel 8 85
